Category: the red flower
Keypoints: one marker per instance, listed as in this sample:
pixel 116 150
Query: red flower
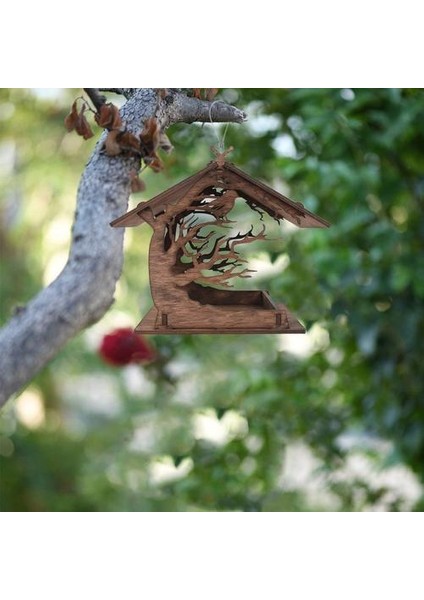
pixel 123 346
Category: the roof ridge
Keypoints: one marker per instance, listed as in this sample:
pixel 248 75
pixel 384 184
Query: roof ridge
pixel 132 218
pixel 277 203
pixel 266 188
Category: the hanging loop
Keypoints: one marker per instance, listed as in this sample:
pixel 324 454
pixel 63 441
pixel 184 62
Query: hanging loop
pixel 221 155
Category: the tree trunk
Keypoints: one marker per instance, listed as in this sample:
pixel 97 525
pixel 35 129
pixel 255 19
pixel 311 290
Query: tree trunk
pixel 84 291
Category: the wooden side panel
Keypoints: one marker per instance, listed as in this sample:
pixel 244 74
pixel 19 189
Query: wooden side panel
pixel 224 317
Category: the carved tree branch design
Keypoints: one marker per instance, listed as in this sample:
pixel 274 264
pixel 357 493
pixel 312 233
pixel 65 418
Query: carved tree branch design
pixel 199 249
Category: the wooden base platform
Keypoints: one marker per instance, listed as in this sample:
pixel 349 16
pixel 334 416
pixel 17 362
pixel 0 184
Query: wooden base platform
pixel 289 325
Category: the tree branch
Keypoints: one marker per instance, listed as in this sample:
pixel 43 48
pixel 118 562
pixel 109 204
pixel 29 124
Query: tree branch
pixel 96 98
pixel 120 91
pixel 181 108
pixel 84 291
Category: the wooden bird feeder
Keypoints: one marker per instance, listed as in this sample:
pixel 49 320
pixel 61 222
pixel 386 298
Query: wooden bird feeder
pixel 193 249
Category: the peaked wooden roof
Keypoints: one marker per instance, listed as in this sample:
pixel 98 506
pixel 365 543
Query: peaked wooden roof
pixel 255 192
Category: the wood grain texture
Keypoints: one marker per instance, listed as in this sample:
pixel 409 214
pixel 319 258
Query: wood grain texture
pixel 192 251
pixel 149 325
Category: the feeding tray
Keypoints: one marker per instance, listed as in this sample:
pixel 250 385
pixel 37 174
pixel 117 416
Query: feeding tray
pixel 227 311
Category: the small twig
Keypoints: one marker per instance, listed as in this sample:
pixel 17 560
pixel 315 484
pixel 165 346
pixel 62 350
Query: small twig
pixel 190 110
pixel 127 92
pixel 96 98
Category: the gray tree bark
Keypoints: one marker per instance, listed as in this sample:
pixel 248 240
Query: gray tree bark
pixel 84 291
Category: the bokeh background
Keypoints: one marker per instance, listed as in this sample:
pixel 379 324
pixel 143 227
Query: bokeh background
pixel 329 421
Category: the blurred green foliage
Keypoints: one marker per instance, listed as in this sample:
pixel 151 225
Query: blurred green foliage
pixel 232 422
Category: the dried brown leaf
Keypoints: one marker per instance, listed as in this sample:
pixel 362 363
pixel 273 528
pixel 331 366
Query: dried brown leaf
pixel 210 93
pixel 150 137
pixel 121 141
pixel 82 126
pixel 151 131
pixel 156 164
pixel 108 116
pixel 196 92
pixel 137 185
pixel 129 142
pixel 112 146
pixel 72 117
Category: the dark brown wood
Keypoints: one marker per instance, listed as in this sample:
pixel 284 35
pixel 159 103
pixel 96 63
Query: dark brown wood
pixel 193 250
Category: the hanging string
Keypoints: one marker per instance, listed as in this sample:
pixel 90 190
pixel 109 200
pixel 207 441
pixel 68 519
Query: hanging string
pixel 224 136
pixel 220 140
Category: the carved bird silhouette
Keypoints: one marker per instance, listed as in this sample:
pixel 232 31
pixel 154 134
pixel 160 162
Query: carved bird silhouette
pixel 222 205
